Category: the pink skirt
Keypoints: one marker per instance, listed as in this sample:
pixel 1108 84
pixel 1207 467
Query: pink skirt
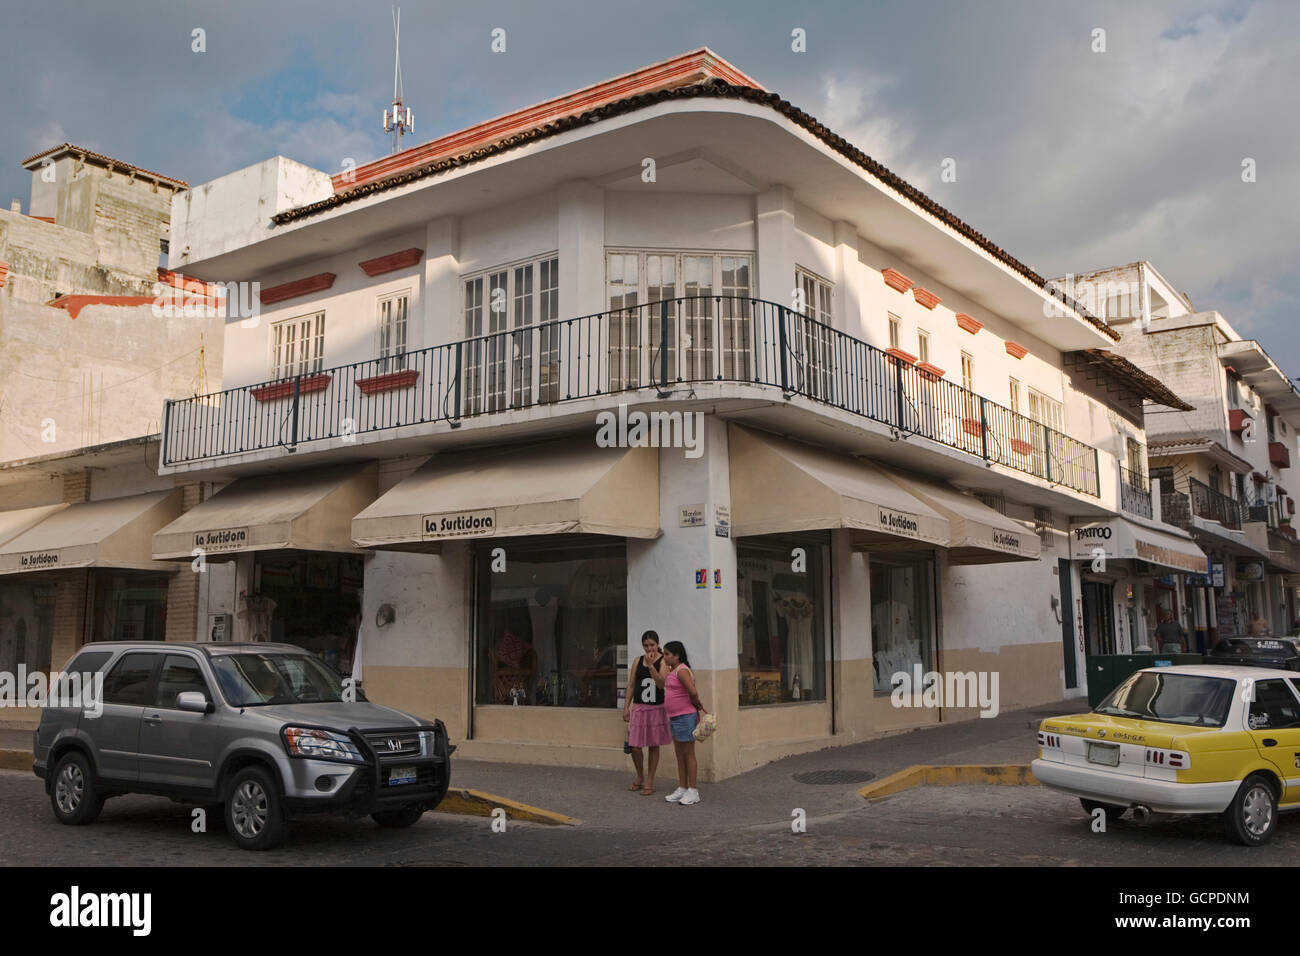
pixel 649 726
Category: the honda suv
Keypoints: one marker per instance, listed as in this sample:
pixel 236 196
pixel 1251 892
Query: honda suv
pixel 266 731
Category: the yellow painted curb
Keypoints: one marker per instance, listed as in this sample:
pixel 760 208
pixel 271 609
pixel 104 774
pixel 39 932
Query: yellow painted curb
pixel 15 760
pixel 479 804
pixel 1013 775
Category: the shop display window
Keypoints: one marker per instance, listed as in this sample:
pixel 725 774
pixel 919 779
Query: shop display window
pixel 129 606
pixel 309 599
pixel 902 618
pixel 782 607
pixel 26 625
pixel 551 629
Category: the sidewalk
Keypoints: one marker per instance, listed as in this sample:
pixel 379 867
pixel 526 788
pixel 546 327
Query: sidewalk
pixel 767 795
pixel 762 797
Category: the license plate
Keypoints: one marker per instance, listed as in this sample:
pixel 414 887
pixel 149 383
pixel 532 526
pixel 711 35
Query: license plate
pixel 1105 754
pixel 400 775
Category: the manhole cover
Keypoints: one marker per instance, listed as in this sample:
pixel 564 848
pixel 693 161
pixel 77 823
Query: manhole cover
pixel 822 777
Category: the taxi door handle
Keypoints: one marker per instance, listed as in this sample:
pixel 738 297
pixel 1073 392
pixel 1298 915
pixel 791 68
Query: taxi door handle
pixel 157 719
pixel 1269 742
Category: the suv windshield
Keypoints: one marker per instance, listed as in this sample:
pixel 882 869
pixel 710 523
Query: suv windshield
pixel 1171 698
pixel 252 680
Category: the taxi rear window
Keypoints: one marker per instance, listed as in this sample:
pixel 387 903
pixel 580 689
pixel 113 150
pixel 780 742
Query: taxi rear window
pixel 1189 699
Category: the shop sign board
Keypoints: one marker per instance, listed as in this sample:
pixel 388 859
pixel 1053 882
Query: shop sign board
pixel 38 560
pixel 902 523
pixel 1250 571
pixel 722 521
pixel 221 539
pixel 691 516
pixel 455 524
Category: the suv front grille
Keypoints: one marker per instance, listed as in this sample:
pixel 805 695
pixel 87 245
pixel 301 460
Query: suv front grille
pixel 395 746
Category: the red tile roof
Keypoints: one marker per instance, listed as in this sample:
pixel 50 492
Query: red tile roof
pixel 55 152
pixel 499 136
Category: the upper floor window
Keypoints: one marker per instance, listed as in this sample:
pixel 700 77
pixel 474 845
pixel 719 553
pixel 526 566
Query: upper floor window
pixel 298 346
pixel 1015 397
pixel 922 345
pixel 812 343
pixel 392 329
pixel 708 311
pixel 1136 457
pixel 894 323
pixel 1046 411
pixel 968 371
pixel 507 370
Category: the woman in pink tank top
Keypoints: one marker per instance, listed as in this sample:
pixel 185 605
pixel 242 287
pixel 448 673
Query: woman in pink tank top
pixel 682 702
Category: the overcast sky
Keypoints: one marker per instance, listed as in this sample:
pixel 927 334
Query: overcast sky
pixel 1071 159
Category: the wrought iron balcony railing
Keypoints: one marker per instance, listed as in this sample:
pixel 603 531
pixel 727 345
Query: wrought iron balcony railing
pixel 1134 492
pixel 1176 508
pixel 1214 506
pixel 657 346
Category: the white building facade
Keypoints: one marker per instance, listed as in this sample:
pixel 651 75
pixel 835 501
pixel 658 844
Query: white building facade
pixel 664 354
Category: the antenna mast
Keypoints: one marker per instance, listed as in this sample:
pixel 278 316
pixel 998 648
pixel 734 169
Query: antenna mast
pixel 400 120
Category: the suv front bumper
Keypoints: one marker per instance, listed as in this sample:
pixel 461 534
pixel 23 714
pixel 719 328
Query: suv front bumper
pixel 367 789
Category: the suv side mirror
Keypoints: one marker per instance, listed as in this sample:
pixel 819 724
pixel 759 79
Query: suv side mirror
pixel 194 702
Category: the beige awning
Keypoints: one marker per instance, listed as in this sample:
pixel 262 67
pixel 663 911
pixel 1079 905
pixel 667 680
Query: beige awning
pixel 781 486
pixel 14 523
pixel 112 533
pixel 301 510
pixel 977 533
pixel 1119 539
pixel 556 487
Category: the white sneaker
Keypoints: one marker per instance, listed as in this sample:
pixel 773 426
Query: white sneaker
pixel 692 796
pixel 677 795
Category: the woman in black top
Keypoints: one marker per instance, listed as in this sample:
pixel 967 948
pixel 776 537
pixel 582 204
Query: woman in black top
pixel 645 713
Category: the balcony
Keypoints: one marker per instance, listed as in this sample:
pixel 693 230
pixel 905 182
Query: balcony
pixel 644 349
pixel 1135 492
pixel 1214 506
pixel 1176 509
pixel 1279 455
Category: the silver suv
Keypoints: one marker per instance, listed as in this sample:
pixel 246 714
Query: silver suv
pixel 265 730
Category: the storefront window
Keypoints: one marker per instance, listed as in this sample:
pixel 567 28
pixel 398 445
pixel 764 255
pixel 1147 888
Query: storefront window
pixel 902 603
pixel 781 601
pixel 26 625
pixel 129 606
pixel 311 599
pixel 551 626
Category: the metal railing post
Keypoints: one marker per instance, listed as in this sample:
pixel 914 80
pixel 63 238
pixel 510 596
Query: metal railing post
pixel 1047 453
pixel 166 431
pixel 984 431
pixel 783 347
pixel 898 391
pixel 663 343
pixel 457 387
pixel 297 390
pixel 1096 472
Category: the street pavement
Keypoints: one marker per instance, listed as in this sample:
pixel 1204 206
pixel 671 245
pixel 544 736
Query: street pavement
pixel 742 821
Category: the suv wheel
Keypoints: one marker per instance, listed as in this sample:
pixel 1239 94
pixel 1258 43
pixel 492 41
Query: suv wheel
pixel 404 817
pixel 1252 816
pixel 73 795
pixel 254 811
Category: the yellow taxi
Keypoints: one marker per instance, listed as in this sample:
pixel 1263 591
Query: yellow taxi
pixel 1189 739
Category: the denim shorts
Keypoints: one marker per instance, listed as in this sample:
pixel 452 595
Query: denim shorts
pixel 683 726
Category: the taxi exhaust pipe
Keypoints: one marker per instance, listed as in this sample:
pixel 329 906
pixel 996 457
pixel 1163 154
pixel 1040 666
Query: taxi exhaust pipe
pixel 1141 815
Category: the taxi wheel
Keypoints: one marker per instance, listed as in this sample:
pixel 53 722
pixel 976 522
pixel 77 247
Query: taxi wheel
pixel 1252 816
pixel 1113 810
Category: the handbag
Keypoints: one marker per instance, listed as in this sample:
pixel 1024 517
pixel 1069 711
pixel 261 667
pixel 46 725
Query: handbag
pixel 705 728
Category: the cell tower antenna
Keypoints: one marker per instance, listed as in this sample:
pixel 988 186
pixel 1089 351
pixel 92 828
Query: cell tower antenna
pixel 400 120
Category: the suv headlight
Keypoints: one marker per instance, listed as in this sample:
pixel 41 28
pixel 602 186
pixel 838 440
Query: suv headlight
pixel 320 745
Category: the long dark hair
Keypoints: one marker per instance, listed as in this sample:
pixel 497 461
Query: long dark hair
pixel 650 636
pixel 678 650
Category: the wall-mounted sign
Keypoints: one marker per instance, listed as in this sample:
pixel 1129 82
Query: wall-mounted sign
pixel 702 577
pixel 221 539
pixel 1250 571
pixel 722 521
pixel 717 577
pixel 691 516
pixel 1216 575
pixel 455 524
pixel 37 560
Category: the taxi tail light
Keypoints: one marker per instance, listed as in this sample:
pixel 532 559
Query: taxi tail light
pixel 1174 759
pixel 1049 740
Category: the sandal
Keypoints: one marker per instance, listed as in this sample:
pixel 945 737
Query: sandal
pixel 635 786
pixel 646 791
